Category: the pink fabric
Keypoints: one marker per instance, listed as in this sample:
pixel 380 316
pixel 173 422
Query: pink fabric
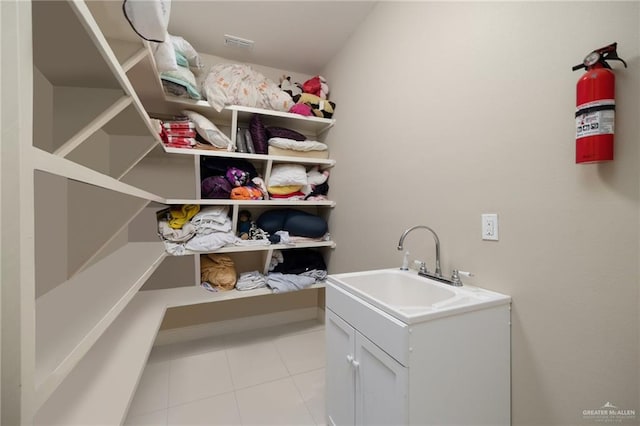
pixel 302 109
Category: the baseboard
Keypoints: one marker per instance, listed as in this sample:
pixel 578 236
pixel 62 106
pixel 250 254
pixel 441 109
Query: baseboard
pixel 219 328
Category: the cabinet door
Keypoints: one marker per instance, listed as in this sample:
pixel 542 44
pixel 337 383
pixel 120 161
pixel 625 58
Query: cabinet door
pixel 340 394
pixel 381 386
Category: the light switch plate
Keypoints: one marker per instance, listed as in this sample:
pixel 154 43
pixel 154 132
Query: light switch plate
pixel 490 226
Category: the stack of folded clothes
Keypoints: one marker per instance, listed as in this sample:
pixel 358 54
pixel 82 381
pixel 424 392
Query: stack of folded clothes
pixel 188 228
pixel 296 269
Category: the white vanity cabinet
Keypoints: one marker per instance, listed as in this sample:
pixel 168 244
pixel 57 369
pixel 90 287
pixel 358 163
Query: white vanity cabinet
pixel 366 386
pixel 451 370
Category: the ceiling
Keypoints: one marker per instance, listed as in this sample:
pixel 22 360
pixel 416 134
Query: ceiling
pixel 299 36
pixel 296 36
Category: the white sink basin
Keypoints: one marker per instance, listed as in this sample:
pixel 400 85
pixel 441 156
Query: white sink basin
pixel 397 288
pixel 411 298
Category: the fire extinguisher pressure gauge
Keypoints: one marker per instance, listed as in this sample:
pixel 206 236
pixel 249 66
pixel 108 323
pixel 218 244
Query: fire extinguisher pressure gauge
pixel 591 59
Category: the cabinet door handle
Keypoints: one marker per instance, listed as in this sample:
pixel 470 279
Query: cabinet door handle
pixel 351 360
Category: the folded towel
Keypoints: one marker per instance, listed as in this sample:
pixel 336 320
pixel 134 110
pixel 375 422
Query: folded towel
pixel 251 280
pixel 210 242
pixel 212 219
pixel 281 283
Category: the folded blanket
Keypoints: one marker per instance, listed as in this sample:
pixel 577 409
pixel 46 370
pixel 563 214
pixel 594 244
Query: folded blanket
pixel 288 174
pixel 281 283
pixel 284 190
pixel 297 145
pixel 210 242
pixel 209 227
pixel 212 219
pixel 211 214
pixel 251 280
pixel 294 196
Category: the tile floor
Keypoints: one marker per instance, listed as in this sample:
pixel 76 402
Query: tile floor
pixel 272 376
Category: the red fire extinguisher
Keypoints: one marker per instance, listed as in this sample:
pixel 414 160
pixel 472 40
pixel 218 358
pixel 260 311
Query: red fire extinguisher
pixel 595 106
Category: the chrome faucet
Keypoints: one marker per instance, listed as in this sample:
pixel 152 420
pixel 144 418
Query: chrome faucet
pixel 438 271
pixel 437 275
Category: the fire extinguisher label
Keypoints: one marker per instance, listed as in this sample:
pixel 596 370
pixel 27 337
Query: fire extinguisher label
pixel 594 120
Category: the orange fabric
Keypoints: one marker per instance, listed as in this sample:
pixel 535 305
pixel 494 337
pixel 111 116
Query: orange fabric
pixel 246 193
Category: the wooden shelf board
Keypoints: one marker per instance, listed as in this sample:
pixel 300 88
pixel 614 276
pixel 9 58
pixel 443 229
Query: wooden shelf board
pixel 92 300
pixel 101 387
pixel 246 156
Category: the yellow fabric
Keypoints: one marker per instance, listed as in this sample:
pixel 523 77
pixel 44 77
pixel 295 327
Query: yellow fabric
pixel 284 190
pixel 182 214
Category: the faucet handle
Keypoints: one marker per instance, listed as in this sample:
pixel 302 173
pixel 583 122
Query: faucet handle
pixel 455 277
pixel 422 266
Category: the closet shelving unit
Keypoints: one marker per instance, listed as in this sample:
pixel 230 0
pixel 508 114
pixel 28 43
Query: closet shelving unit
pixel 233 117
pixel 94 329
pixel 91 101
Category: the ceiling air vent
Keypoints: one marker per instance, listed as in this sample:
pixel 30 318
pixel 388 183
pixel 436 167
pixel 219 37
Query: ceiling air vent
pixel 233 41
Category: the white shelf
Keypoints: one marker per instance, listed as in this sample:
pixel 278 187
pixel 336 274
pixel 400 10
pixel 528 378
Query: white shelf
pixel 71 318
pixel 263 157
pixel 242 249
pixel 195 295
pixel 303 124
pixel 135 59
pixel 93 126
pixel 64 48
pixel 56 165
pixel 99 390
pixel 252 203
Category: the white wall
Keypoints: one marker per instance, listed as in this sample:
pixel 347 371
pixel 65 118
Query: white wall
pixel 449 110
